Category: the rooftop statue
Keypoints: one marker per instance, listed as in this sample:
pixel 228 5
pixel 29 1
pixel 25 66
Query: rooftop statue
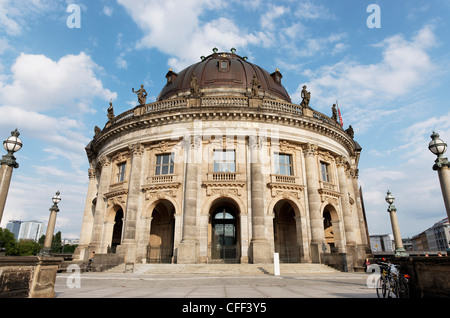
pixel 142 95
pixel 255 86
pixel 195 89
pixel 335 115
pixel 111 111
pixel 306 97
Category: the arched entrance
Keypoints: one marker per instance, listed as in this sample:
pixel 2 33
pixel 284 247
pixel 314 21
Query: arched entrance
pixel 117 230
pixel 224 244
pixel 331 232
pixel 285 232
pixel 160 248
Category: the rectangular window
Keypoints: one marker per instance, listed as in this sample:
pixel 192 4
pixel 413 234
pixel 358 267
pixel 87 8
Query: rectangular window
pixel 325 171
pixel 283 164
pixel 164 164
pixel 121 168
pixel 224 161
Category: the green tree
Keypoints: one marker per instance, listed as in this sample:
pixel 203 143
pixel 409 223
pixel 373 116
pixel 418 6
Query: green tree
pixel 27 247
pixel 8 242
pixel 56 243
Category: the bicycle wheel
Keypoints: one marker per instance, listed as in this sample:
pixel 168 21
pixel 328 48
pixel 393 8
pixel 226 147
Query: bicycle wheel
pixel 382 286
pixel 403 288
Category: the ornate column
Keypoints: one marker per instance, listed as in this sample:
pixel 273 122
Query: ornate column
pixel 259 246
pixel 188 247
pixel 312 186
pixel 100 208
pixel 346 209
pixel 128 246
pixel 362 223
pixel 88 217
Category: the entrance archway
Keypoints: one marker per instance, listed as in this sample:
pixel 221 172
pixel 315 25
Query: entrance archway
pixel 117 230
pixel 224 244
pixel 285 232
pixel 331 232
pixel 160 248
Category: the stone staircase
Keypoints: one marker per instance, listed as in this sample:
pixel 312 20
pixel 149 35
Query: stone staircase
pixel 222 269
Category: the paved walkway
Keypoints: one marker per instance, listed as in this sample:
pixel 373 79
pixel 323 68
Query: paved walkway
pixel 173 285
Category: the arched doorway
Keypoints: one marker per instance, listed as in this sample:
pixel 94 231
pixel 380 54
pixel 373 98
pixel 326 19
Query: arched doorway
pixel 330 232
pixel 117 230
pixel 285 232
pixel 224 244
pixel 160 248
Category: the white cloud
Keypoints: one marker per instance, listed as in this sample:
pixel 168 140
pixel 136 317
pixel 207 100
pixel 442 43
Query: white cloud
pixel 107 11
pixel 39 83
pixel 15 15
pixel 174 28
pixel 402 68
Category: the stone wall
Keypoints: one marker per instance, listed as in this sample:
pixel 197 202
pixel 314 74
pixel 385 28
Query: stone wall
pixel 429 276
pixel 28 276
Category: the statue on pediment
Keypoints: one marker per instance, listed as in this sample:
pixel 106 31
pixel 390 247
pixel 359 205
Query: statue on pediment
pixel 142 95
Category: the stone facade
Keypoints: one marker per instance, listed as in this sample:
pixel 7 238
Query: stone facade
pixel 232 174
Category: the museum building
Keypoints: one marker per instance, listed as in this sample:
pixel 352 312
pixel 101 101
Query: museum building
pixel 223 167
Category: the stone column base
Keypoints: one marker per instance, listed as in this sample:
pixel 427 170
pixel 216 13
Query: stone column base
pixel 316 251
pixel 187 252
pixel 260 252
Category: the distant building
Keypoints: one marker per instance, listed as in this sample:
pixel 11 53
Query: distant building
pixel 14 227
pixel 381 243
pixel 435 238
pixel 27 230
pixel 31 230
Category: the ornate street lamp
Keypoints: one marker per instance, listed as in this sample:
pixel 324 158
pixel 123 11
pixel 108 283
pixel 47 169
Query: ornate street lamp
pixel 442 165
pixel 399 250
pixel 46 250
pixel 8 162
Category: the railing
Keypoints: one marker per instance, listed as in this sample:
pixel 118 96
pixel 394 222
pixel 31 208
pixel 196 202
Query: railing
pixel 226 101
pixel 159 254
pixel 224 254
pixel 165 105
pixel 161 179
pixel 224 176
pixel 282 106
pixel 328 186
pixel 284 179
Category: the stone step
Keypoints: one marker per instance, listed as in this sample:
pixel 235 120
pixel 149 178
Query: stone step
pixel 223 269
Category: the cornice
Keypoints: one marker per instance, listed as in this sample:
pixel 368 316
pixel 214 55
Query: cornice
pixel 143 120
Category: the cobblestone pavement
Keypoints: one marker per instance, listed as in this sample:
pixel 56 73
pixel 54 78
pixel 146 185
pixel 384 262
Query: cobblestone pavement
pixel 132 285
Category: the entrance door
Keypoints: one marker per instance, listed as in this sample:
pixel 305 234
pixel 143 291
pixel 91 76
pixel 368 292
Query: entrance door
pixel 224 245
pixel 117 230
pixel 285 233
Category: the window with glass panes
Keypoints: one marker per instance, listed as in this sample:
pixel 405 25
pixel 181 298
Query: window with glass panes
pixel 325 171
pixel 224 161
pixel 164 164
pixel 283 164
pixel 121 168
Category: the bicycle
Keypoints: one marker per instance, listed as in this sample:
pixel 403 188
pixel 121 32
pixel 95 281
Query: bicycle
pixel 391 282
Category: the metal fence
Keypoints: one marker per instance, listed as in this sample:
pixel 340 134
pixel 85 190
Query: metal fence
pixel 159 254
pixel 224 254
pixel 288 253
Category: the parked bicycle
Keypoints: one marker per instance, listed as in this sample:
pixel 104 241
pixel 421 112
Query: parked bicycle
pixel 391 283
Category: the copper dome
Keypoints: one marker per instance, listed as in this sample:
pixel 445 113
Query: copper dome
pixel 224 70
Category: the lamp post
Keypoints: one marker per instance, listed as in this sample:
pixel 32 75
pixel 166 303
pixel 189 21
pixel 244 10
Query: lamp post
pixel 399 250
pixel 442 165
pixel 46 250
pixel 8 162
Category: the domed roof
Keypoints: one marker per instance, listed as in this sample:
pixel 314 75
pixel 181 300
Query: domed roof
pixel 224 70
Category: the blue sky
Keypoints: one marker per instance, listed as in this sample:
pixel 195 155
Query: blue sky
pixel 392 85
